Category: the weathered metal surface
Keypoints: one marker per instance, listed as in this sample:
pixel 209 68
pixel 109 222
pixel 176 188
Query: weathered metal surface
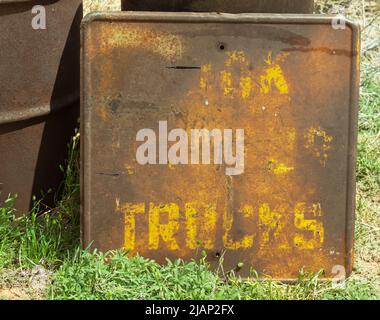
pixel 227 6
pixel 291 83
pixel 39 96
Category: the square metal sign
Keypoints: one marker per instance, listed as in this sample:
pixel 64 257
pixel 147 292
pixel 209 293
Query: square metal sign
pixel 233 135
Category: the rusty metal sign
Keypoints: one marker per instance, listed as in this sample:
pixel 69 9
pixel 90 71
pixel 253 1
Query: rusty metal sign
pixel 227 6
pixel 232 134
pixel 39 96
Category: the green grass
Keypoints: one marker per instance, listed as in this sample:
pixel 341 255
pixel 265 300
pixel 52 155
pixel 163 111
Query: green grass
pixel 43 238
pixel 368 173
pixel 51 241
pixel 86 276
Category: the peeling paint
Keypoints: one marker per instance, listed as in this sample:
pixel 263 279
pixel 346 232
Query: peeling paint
pixel 319 143
pixel 279 168
pixel 273 76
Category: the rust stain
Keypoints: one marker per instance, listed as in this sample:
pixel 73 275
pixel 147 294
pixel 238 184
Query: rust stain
pixel 330 51
pixel 167 45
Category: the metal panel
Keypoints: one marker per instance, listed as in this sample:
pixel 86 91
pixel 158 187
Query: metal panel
pixel 39 97
pixel 227 6
pixel 290 82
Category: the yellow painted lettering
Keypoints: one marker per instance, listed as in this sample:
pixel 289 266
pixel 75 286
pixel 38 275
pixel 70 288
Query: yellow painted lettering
pixel 312 225
pixel 273 74
pixel 226 82
pixel 200 227
pixel 228 221
pixel 130 210
pixel 270 223
pixel 245 87
pixel 165 231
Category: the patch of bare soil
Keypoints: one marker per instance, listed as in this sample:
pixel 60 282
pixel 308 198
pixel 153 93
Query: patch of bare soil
pixel 13 294
pixel 21 284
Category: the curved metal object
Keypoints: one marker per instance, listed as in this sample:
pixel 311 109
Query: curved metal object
pixel 38 111
pixel 39 97
pixel 228 6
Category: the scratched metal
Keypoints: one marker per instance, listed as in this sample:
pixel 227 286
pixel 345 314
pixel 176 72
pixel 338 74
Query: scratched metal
pixel 39 96
pixel 230 6
pixel 290 82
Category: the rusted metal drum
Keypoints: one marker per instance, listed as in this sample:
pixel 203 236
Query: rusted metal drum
pixel 39 96
pixel 228 6
pixel 233 135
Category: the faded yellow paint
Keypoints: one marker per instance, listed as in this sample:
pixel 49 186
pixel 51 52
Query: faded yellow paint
pixel 130 210
pixel 319 143
pixel 245 87
pixel 279 168
pixel 203 83
pixel 228 221
pixel 245 83
pixel 165 231
pixel 206 67
pixel 245 80
pixel 205 76
pixel 200 226
pixel 247 211
pixel 312 225
pixel 236 56
pixel 226 82
pixel 273 75
pixel 130 169
pixel 269 223
pixel 291 136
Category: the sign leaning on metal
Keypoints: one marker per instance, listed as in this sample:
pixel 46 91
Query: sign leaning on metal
pixel 232 134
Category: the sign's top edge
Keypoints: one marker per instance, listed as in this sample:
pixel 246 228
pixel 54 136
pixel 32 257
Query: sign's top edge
pixel 213 17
